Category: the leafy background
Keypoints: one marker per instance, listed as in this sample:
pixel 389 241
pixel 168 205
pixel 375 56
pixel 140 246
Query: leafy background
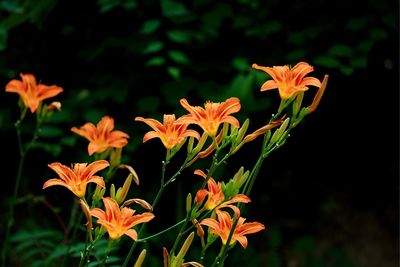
pixel 329 197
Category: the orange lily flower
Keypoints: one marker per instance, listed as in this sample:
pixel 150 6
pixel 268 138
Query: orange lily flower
pixel 289 81
pixel 103 136
pixel 78 177
pixel 169 132
pixel 210 117
pixel 224 225
pixel 216 196
pixel 119 221
pixel 30 92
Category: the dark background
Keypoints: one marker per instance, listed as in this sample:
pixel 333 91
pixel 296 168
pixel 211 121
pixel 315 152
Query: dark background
pixel 329 197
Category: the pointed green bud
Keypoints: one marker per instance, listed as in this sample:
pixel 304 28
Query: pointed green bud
pixel 123 191
pixel 178 260
pixel 242 131
pixel 279 132
pixel 297 103
pixel 188 203
pixel 140 259
pixel 115 157
pixel 112 192
pixel 240 177
pixel 98 194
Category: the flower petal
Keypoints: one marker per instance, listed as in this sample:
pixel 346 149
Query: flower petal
pixel 132 234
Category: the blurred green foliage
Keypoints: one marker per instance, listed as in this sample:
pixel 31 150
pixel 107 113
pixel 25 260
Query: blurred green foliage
pixel 134 58
pixel 129 58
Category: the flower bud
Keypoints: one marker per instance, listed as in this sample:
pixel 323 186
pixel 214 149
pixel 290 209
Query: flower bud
pixel 140 259
pixel 123 191
pixel 188 203
pixel 98 193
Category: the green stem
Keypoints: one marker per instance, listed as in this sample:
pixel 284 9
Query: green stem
pixel 108 249
pixel 161 232
pixel 156 199
pixel 22 153
pixel 213 167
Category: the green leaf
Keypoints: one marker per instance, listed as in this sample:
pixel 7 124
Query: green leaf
pixel 275 239
pixel 3 37
pixel 68 140
pixel 172 8
pixel 356 24
pixel 107 5
pixel 327 61
pixel 304 244
pixel 148 104
pixel 174 72
pixel 155 61
pixel 53 149
pixel 35 234
pixel 178 56
pixel 359 62
pixel 241 64
pixel 378 34
pixel 178 36
pixel 296 55
pixel 153 47
pixel 50 131
pixel 341 50
pixel 346 70
pixel 273 260
pixel 150 26
pixel 129 4
pixel 11 6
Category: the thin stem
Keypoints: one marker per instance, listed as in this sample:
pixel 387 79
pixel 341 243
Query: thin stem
pixel 180 234
pixel 88 249
pixel 108 249
pixel 161 232
pixel 156 199
pixel 22 153
pixel 213 167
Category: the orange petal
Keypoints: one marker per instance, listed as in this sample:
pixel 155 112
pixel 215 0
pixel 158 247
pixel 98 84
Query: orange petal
pixel 52 182
pixel 98 213
pixel 201 194
pixel 97 180
pixel 132 234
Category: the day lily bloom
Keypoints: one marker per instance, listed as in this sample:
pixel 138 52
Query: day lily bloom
pixel 289 81
pixel 212 115
pixel 30 92
pixel 169 132
pixel 119 221
pixel 77 177
pixel 224 225
pixel 215 196
pixel 102 136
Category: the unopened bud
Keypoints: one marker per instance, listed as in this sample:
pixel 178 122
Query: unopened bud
pixel 184 249
pixel 279 132
pixel 240 177
pixel 115 157
pixel 297 103
pixel 98 193
pixel 123 191
pixel 112 192
pixel 242 131
pixel 140 259
pixel 188 203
